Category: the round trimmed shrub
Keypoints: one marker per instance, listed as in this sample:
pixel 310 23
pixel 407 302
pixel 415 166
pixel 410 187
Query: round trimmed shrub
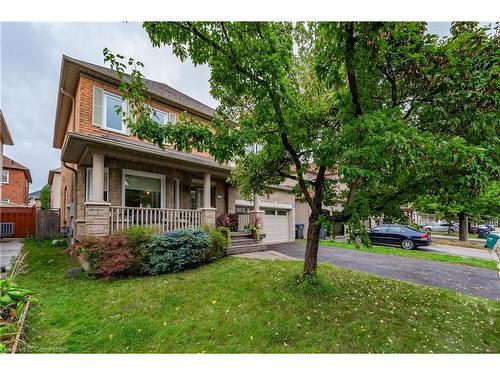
pixel 178 250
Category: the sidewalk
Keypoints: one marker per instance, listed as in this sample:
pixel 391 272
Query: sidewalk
pixel 8 248
pixel 458 250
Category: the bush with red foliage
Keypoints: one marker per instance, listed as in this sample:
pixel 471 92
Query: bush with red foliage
pixel 114 257
pixel 109 256
pixel 227 221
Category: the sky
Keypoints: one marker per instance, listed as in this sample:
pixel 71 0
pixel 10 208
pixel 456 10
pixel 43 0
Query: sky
pixel 30 61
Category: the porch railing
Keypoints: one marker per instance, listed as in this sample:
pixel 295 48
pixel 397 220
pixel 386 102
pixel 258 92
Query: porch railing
pixel 168 219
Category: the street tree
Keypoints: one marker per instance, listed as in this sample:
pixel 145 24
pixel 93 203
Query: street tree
pixel 341 102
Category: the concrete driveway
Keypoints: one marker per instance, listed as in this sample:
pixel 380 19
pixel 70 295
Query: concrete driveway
pixel 8 249
pixel 471 280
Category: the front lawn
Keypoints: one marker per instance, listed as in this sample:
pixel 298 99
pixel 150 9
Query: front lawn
pixel 416 253
pixel 238 306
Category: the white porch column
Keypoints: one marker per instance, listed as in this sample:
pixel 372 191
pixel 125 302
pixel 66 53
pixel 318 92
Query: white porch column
pixel 207 191
pixel 207 212
pixel 97 178
pixel 97 211
pixel 257 215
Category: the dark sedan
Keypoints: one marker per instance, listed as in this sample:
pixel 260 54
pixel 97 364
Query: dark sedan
pixel 398 235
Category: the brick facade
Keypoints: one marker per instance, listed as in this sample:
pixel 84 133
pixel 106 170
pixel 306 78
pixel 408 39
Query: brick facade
pixel 16 190
pixel 91 218
pixel 84 100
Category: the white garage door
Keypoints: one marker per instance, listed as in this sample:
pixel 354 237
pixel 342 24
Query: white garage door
pixel 276 225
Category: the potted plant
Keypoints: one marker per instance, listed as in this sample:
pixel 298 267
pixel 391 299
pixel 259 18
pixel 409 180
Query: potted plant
pixel 255 227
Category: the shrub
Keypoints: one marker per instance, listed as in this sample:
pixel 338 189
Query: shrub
pixel 139 238
pixel 114 257
pixel 107 256
pixel 85 249
pixel 229 221
pixel 219 241
pixel 178 250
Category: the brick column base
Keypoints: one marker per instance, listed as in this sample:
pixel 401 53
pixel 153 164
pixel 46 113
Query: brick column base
pixel 97 219
pixel 208 216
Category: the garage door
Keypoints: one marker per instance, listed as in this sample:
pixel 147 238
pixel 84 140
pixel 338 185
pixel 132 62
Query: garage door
pixel 276 225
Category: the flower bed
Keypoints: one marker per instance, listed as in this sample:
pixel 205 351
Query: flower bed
pixel 144 250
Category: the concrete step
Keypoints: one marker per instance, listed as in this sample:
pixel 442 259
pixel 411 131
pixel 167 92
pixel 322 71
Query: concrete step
pixel 243 241
pixel 240 234
pixel 240 249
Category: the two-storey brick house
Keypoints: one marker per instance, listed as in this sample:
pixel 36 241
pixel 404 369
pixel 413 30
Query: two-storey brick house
pixel 5 139
pixel 15 183
pixel 110 179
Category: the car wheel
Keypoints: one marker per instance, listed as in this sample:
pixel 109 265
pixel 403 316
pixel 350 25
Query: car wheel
pixel 358 239
pixel 407 244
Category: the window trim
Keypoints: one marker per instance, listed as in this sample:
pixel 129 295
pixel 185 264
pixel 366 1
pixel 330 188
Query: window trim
pixel 104 126
pixel 166 115
pixel 161 177
pixel 8 176
pixel 88 186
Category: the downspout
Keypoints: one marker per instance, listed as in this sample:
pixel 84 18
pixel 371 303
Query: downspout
pixel 72 224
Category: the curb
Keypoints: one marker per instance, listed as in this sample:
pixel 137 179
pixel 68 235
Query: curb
pixel 495 257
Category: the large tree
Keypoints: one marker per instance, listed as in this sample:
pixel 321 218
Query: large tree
pixel 319 98
pixel 464 107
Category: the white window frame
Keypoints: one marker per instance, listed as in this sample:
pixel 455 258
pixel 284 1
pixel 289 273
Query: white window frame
pixel 177 193
pixel 145 174
pixel 104 106
pixel 166 115
pixel 88 185
pixel 7 174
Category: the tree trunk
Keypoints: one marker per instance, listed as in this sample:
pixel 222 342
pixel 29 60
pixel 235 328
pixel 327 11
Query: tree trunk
pixel 463 227
pixel 311 256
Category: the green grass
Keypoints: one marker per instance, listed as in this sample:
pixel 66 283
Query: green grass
pixel 249 306
pixel 416 253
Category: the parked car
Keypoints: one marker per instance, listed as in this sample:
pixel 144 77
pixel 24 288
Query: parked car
pixel 475 229
pixel 398 235
pixel 443 227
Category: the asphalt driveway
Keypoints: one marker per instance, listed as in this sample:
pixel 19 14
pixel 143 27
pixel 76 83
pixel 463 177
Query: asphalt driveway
pixel 471 280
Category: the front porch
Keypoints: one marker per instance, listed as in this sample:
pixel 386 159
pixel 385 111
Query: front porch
pixel 119 185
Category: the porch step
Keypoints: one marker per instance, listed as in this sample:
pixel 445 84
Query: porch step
pixel 240 249
pixel 240 234
pixel 242 241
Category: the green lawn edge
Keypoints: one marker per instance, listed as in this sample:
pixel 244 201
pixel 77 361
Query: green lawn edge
pixel 248 306
pixel 418 254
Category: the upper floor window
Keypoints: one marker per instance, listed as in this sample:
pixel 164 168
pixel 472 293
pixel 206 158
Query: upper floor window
pixel 163 118
pixel 104 110
pixel 5 176
pixel 253 148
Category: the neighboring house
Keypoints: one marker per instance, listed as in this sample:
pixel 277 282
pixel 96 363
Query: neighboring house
pixel 15 182
pixel 110 179
pixel 55 188
pixel 5 139
pixel 34 199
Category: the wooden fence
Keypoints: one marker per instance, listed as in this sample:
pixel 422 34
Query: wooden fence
pixel 47 223
pixel 19 220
